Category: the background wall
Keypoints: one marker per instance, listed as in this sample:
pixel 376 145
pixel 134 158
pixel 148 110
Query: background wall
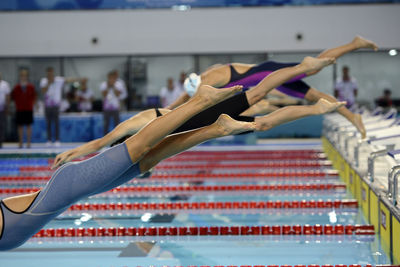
pixel 168 42
pixel 208 30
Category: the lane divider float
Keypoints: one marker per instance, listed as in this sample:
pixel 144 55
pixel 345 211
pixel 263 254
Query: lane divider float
pixel 211 230
pixel 303 204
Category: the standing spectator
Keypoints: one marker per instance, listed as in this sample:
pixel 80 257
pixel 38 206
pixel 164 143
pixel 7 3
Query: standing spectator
pixel 169 93
pixel 24 96
pixel 111 90
pixel 4 102
pixel 385 101
pixel 84 97
pixel 52 89
pixel 346 88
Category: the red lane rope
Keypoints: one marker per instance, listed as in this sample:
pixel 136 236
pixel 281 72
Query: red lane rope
pixel 314 164
pixel 303 204
pixel 246 157
pixel 236 152
pixel 281 164
pixel 211 230
pixel 200 188
pixel 283 174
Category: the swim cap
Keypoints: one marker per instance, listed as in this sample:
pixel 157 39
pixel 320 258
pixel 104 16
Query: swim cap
pixel 192 83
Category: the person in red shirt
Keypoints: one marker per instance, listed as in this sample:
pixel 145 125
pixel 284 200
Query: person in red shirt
pixel 24 96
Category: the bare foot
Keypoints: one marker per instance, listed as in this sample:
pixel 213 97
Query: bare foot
pixel 229 126
pixel 324 106
pixel 315 64
pixel 361 42
pixel 212 95
pixel 360 125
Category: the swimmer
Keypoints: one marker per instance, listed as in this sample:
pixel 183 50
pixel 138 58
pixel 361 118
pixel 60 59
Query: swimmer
pixel 23 216
pixel 249 75
pixel 237 107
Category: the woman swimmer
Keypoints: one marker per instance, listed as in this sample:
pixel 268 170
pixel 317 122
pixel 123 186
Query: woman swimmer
pixel 250 75
pixel 22 216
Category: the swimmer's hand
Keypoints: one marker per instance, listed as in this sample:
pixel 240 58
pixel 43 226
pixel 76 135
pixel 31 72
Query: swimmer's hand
pixel 62 158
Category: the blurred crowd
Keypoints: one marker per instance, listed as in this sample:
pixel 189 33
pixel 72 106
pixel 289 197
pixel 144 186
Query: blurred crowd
pixel 59 94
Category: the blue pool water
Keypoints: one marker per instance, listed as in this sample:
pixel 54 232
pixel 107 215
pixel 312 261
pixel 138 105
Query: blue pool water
pixel 199 250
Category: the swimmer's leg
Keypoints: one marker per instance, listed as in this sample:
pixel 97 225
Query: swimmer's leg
pixel 314 95
pixel 357 43
pixel 177 143
pixel 291 113
pixel 280 76
pixel 207 96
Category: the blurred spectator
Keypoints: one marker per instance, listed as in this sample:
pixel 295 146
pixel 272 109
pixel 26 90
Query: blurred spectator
pixel 52 89
pixel 24 96
pixel 111 90
pixel 182 77
pixel 346 88
pixel 385 100
pixel 4 102
pixel 121 84
pixel 169 93
pixel 84 97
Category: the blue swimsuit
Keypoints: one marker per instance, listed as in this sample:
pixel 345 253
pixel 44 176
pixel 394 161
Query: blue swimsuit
pixel 70 183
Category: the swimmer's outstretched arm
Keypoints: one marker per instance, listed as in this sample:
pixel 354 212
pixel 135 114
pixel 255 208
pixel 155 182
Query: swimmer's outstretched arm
pixel 128 127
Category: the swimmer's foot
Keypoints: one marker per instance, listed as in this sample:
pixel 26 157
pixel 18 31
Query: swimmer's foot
pixel 315 64
pixel 228 126
pixel 361 42
pixel 211 96
pixel 358 123
pixel 324 106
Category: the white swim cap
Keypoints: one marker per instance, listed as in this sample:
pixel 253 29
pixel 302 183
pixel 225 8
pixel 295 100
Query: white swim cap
pixel 192 83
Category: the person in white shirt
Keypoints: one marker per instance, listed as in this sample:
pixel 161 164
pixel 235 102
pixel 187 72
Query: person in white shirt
pixel 111 91
pixel 84 97
pixel 346 88
pixel 4 102
pixel 169 93
pixel 52 90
